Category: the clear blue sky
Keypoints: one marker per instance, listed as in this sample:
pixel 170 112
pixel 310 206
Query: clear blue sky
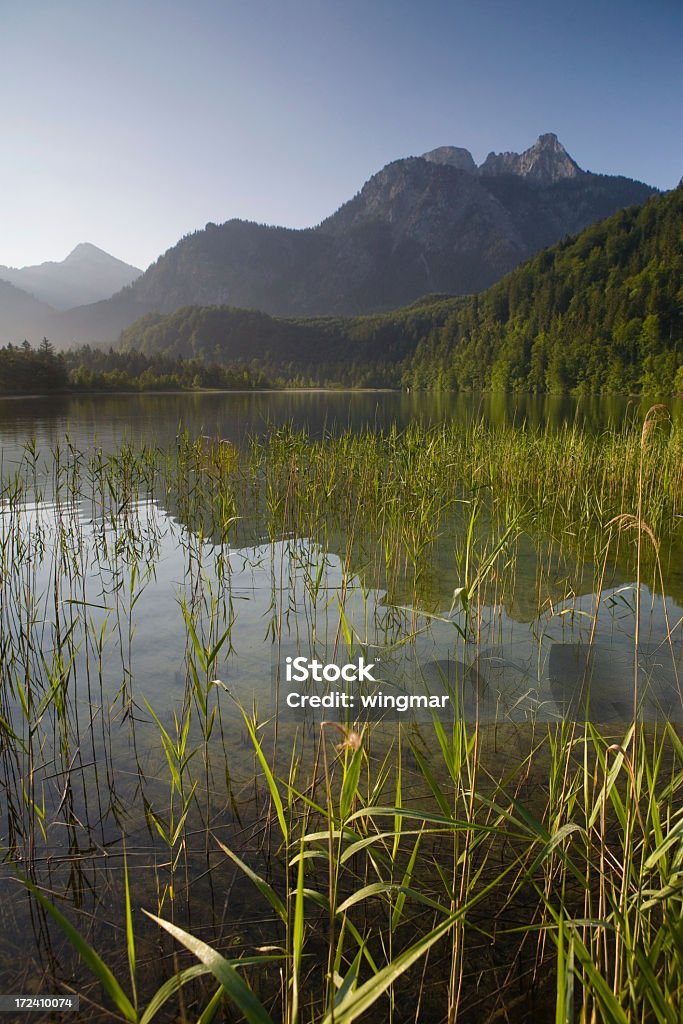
pixel 130 123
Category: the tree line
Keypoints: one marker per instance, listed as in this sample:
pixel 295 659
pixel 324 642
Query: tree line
pixel 28 370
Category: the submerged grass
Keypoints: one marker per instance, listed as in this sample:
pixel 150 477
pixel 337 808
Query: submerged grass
pixel 449 871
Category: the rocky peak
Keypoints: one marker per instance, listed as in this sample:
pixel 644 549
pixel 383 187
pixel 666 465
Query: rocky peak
pixel 87 274
pixel 85 250
pixel 545 162
pixel 454 156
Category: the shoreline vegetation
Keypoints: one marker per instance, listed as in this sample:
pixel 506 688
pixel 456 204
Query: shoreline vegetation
pixel 341 872
pixel 26 371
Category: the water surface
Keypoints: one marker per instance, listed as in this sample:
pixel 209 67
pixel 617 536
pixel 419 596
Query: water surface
pixel 111 599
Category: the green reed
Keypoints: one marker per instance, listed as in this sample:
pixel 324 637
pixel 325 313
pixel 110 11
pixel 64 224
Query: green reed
pixel 380 854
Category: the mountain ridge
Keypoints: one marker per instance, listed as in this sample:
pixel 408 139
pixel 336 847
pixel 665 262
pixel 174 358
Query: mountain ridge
pixel 420 224
pixel 23 316
pixel 87 274
pixel 546 161
pixel 596 313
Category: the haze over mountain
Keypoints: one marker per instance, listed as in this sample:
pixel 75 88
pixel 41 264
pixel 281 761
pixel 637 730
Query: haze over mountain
pixel 87 275
pixel 22 315
pixel 436 223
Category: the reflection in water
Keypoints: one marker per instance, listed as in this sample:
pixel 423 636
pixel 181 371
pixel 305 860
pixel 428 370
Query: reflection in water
pixel 132 632
pixel 155 419
pixel 599 683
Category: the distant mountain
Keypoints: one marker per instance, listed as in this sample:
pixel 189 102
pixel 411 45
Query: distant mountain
pixel 436 223
pixel 22 316
pixel 87 275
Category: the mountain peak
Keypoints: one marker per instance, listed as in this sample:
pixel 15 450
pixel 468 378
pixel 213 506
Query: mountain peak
pixel 85 249
pixel 545 162
pixel 93 254
pixel 454 156
pixel 88 274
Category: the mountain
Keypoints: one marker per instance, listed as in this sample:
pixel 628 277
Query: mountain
pixel 86 275
pixel 22 316
pixel 436 223
pixel 598 313
pixel 547 161
pixel 227 335
pixel 601 313
pixel 454 156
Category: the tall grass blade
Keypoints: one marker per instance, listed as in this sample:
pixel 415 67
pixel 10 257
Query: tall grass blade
pixel 87 954
pixel 370 991
pixel 235 988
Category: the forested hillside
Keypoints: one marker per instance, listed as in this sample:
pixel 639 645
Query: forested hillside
pixel 361 351
pixel 600 312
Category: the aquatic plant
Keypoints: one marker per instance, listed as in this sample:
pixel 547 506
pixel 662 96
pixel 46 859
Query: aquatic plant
pixel 448 866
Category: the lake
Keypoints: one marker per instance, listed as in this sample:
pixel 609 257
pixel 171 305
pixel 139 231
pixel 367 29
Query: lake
pixel 155 417
pixel 208 595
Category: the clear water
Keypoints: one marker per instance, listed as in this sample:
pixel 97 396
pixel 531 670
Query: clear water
pixel 128 584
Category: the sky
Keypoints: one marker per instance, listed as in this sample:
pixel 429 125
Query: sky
pixel 130 124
